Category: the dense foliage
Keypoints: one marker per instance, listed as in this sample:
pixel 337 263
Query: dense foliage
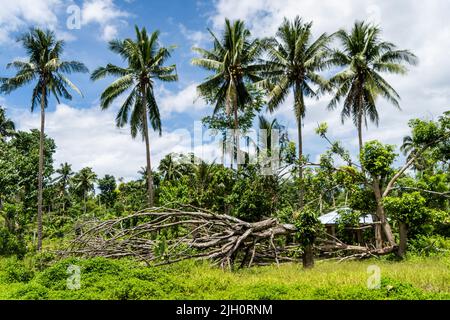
pixel 407 196
pixel 120 280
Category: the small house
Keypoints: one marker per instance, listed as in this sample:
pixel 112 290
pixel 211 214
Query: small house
pixel 333 218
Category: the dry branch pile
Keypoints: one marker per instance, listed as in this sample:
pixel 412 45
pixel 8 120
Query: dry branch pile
pixel 164 235
pixel 336 249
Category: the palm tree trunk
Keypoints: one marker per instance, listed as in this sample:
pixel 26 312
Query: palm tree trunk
pixel 223 151
pixel 301 193
pixel 147 148
pixel 299 106
pixel 41 168
pixel 360 119
pixel 360 139
pixel 85 200
pixel 236 137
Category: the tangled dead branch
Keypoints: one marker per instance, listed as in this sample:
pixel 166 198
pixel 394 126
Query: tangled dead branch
pixel 333 247
pixel 165 235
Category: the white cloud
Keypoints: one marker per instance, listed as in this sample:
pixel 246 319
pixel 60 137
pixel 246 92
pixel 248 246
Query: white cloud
pixel 106 14
pixel 19 13
pixel 182 101
pixel 195 37
pixel 421 27
pixel 89 137
pixel 101 11
pixel 109 32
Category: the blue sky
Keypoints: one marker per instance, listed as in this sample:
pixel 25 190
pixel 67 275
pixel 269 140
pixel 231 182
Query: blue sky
pixel 88 44
pixel 85 136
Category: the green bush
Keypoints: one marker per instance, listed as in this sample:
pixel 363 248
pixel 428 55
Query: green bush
pixel 129 280
pixel 11 244
pixel 136 289
pixel 32 291
pixel 55 277
pixel 429 245
pixel 42 260
pixel 15 271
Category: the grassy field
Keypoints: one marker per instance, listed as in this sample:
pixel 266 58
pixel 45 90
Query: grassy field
pixel 415 278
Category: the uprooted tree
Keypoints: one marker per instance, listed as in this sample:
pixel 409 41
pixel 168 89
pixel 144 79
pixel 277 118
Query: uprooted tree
pixel 165 235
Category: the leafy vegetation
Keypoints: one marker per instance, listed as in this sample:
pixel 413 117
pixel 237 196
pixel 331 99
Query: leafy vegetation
pixel 407 196
pixel 111 279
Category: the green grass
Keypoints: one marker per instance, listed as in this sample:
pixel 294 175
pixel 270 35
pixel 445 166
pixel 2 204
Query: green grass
pixel 415 278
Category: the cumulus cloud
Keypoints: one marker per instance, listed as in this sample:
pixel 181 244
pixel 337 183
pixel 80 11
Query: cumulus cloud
pixel 106 14
pixel 19 13
pixel 109 32
pixel 185 100
pixel 88 137
pixel 195 37
pixel 421 27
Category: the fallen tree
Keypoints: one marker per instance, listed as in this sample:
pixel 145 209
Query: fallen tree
pixel 332 247
pixel 166 235
pixel 194 233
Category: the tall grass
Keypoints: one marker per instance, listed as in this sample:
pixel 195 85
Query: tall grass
pixel 415 278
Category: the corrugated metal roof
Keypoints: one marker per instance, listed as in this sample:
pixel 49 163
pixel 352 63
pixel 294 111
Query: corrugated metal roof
pixel 333 217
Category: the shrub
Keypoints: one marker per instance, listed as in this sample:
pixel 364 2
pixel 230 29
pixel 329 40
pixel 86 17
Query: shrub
pixel 16 271
pixel 11 244
pixel 43 260
pixel 31 291
pixel 429 245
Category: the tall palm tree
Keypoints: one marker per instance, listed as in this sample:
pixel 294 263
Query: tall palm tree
pixel 270 127
pixel 295 60
pixel 145 63
pixel 7 126
pixel 173 166
pixel 363 57
pixel 83 183
pixel 46 68
pixel 203 175
pixel 409 149
pixel 234 61
pixel 62 181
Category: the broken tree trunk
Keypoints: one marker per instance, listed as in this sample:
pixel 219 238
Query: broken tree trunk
pixel 403 232
pixel 308 256
pixel 160 236
pixel 191 233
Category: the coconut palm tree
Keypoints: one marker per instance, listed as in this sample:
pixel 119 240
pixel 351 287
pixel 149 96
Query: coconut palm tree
pixel 270 127
pixel 62 181
pixel 363 57
pixel 7 126
pixel 173 166
pixel 145 59
pixel 295 60
pixel 234 63
pixel 409 149
pixel 83 183
pixel 47 70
